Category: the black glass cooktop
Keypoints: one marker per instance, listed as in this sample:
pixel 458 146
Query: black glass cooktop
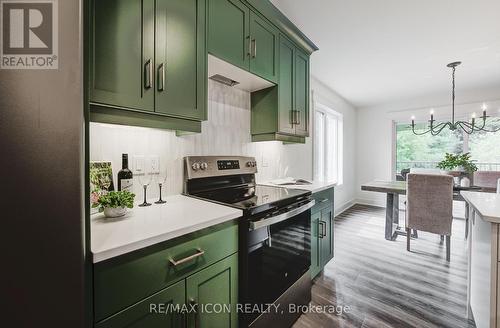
pixel 251 197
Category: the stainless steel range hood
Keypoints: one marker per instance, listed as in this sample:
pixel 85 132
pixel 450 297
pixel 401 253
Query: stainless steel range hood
pixel 223 72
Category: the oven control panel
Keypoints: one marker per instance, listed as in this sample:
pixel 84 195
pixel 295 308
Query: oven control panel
pixel 211 166
pixel 228 164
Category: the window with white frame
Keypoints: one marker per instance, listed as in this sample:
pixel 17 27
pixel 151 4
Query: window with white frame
pixel 328 144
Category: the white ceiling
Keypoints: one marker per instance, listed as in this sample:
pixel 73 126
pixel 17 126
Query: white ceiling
pixel 376 52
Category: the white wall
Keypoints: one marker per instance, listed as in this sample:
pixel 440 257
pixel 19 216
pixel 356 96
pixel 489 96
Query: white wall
pixel 375 142
pixel 345 193
pixel 227 132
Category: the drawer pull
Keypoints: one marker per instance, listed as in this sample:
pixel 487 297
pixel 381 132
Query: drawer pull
pixel 323 200
pixel 199 252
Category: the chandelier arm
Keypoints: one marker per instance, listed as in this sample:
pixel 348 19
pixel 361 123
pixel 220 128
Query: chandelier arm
pixel 441 128
pixel 419 133
pixel 466 127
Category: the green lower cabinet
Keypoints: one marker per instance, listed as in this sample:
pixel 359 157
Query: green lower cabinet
pixel 315 245
pixel 214 292
pixel 326 236
pixel 157 311
pixel 322 231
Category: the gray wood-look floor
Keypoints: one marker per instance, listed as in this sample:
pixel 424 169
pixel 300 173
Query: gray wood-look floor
pixel 384 285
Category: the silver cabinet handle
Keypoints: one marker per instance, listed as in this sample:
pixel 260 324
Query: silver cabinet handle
pixel 249 52
pixel 148 72
pixel 199 252
pixel 297 117
pixel 280 217
pixel 324 227
pixel 194 305
pixel 323 200
pixel 161 77
pixel 320 229
pixel 292 116
pixel 254 48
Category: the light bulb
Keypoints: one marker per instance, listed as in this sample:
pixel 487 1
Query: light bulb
pixel 413 117
pixel 473 115
pixel 484 107
pixel 432 111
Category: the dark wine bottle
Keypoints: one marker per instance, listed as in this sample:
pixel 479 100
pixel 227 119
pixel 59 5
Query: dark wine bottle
pixel 125 176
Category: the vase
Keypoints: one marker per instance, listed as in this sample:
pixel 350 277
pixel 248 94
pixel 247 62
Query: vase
pixel 114 212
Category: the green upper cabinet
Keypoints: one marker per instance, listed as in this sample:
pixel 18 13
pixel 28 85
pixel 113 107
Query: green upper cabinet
pixel 147 63
pixel 180 58
pixel 122 53
pixel 301 93
pixel 228 31
pixel 263 48
pixel 152 312
pixel 282 112
pixel 215 285
pixel 286 87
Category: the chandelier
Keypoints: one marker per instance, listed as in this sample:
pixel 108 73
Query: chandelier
pixel 467 127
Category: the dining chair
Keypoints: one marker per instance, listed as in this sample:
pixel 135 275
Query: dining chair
pixel 429 206
pixel 486 179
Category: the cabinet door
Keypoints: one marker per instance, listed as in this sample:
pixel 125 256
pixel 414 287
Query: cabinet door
pixel 122 56
pixel 180 58
pixel 228 31
pixel 302 93
pixel 315 244
pixel 214 289
pixel 327 240
pixel 286 86
pixel 263 48
pixel 161 310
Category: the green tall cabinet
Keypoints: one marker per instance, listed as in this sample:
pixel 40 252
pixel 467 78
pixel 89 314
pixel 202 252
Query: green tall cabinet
pixel 282 112
pixel 243 38
pixel 148 57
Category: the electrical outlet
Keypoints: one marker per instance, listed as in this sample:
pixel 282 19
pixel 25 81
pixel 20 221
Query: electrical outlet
pixel 155 164
pixel 265 162
pixel 139 164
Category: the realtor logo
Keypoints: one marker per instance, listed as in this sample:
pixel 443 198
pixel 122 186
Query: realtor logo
pixel 29 34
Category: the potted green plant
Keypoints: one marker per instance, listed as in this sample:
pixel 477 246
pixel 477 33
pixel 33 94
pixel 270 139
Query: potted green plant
pixel 457 164
pixel 114 203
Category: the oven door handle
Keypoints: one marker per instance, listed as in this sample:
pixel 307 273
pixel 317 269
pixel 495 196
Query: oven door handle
pixel 281 217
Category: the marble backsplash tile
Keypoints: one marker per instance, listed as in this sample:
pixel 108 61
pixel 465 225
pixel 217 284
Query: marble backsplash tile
pixel 227 132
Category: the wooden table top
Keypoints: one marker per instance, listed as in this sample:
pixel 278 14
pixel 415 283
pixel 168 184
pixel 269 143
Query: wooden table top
pixel 393 187
pixel 399 187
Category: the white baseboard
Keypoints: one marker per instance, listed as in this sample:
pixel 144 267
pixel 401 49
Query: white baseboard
pixel 371 202
pixel 344 207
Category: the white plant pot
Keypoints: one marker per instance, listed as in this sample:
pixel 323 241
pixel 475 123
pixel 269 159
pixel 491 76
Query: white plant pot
pixel 114 212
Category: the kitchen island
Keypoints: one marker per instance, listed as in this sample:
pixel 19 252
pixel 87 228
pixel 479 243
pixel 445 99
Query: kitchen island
pixel 483 258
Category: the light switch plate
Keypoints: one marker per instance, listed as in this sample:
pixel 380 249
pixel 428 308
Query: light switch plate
pixel 155 164
pixel 139 164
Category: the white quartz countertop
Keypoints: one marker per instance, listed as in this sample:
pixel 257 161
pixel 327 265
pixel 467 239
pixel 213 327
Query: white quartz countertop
pixel 315 186
pixel 146 226
pixel 486 204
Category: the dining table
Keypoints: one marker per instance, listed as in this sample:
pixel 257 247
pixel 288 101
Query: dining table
pixel 393 189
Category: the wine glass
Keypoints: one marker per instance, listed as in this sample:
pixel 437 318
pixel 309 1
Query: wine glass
pixel 145 180
pixel 161 178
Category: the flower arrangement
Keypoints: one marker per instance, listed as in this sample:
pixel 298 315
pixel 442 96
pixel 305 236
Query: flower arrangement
pixel 113 203
pixel 459 162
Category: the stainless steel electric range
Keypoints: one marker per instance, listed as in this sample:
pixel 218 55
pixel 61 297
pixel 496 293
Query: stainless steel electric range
pixel 274 236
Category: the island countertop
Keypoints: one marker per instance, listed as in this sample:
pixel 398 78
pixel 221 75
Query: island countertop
pixel 145 226
pixel 487 205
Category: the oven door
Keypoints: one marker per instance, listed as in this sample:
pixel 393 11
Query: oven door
pixel 279 252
